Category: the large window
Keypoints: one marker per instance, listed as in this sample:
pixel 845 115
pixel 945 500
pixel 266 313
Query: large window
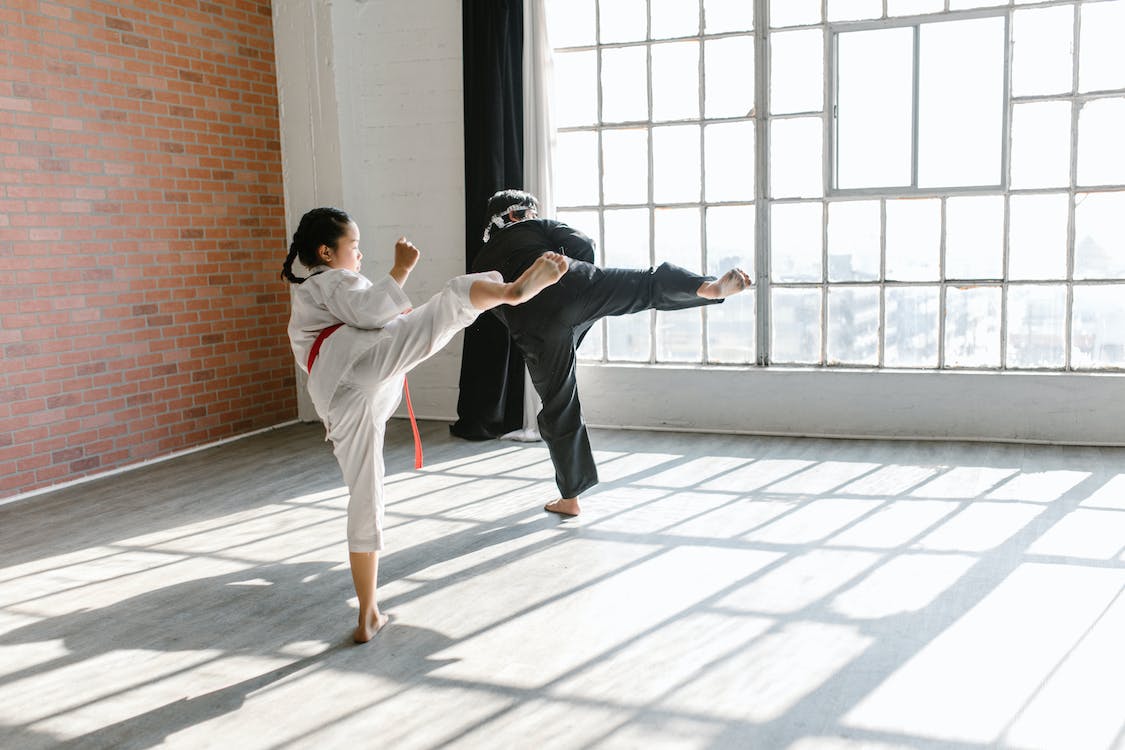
pixel 913 183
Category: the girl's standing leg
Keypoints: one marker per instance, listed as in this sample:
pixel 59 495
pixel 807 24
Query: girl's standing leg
pixel 356 432
pixel 370 392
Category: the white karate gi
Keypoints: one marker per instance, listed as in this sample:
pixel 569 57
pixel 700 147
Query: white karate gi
pixel 356 381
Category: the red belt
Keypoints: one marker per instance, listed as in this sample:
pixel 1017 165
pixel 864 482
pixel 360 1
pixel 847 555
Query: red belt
pixel 315 350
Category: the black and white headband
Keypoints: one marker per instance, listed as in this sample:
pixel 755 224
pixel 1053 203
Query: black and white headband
pixel 500 220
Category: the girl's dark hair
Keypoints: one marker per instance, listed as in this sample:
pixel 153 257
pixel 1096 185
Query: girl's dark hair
pixel 321 226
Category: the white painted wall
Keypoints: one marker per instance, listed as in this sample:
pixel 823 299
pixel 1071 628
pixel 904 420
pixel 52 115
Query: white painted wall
pixel 372 121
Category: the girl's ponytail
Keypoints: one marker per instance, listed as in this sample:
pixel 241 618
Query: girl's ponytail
pixel 321 226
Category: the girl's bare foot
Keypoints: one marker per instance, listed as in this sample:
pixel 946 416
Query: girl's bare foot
pixel 564 506
pixel 732 282
pixel 546 270
pixel 369 626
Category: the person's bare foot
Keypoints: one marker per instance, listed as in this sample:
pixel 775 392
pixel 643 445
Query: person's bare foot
pixel 546 270
pixel 564 506
pixel 732 282
pixel 369 626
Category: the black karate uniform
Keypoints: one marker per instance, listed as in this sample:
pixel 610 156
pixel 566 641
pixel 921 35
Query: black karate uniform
pixel 549 328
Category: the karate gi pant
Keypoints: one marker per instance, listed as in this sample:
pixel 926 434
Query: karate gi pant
pixel 549 329
pixel 371 390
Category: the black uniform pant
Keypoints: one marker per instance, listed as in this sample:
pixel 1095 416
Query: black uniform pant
pixel 549 328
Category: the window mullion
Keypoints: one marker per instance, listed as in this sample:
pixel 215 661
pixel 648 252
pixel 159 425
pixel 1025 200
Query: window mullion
pixel 761 177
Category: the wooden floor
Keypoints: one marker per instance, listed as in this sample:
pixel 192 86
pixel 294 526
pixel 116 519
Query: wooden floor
pixel 717 592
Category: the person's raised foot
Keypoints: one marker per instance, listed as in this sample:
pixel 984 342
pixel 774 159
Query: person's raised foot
pixel 732 282
pixel 368 626
pixel 564 506
pixel 546 270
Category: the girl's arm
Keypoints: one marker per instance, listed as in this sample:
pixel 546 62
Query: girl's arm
pixel 360 303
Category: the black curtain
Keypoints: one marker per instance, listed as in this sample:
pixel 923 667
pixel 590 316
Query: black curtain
pixel 490 402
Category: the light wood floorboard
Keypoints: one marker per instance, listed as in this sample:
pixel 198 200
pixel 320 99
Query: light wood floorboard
pixel 717 592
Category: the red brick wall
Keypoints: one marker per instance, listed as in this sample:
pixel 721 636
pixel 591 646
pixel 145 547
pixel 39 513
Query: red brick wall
pixel 141 233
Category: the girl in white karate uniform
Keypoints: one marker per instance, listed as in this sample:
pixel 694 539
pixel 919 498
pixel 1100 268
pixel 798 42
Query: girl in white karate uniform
pixel 357 339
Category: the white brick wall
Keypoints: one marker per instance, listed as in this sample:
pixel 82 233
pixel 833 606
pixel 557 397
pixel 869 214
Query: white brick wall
pixel 391 72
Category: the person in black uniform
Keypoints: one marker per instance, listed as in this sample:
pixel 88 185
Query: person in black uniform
pixel 549 328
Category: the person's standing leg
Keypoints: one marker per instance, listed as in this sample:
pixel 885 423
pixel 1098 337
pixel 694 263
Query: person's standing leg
pixel 551 362
pixel 357 441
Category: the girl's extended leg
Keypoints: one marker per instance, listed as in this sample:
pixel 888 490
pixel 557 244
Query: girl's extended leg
pixel 546 270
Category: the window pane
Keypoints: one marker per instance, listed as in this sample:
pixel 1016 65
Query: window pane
pixel 853 241
pixel 796 242
pixel 972 326
pixel 854 10
pixel 731 337
pixel 1098 339
pixel 974 237
pixel 796 169
pixel 1037 237
pixel 853 325
pixel 1036 326
pixel 912 327
pixel 730 161
pixel 626 238
pixel 912 7
pixel 571 22
pixel 730 239
pixel 576 91
pixel 794 12
pixel 624 91
pixel 727 15
pixel 586 222
pixel 797 71
pixel 576 169
pixel 1101 62
pixel 730 244
pixel 676 237
pixel 913 239
pixel 628 337
pixel 679 335
pixel 1041 145
pixel 873 108
pixel 729 76
pixel 625 165
pixel 675 164
pixel 1101 159
pixel 1041 50
pixel 671 18
pixel 1099 236
pixel 590 348
pixel 795 326
pixel 960 104
pixel 966 4
pixel 623 20
pixel 675 81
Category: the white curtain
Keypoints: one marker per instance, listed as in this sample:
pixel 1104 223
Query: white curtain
pixel 538 146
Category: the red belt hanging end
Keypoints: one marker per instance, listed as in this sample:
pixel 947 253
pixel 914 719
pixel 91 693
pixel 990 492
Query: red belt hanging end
pixel 413 425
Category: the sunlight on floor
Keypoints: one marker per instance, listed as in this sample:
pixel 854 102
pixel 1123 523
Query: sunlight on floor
pixel 759 598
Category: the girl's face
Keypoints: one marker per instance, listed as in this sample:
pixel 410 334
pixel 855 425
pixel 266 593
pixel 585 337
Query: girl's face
pixel 346 254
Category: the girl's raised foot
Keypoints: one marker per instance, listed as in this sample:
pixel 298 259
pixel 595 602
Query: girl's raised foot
pixel 546 270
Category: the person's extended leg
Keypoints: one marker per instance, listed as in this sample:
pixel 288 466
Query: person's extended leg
pixel 551 360
pixel 546 270
pixel 621 291
pixel 357 441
